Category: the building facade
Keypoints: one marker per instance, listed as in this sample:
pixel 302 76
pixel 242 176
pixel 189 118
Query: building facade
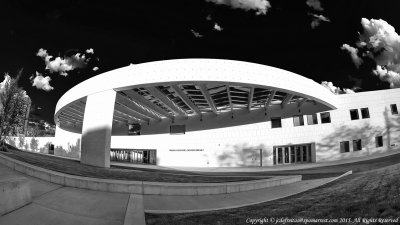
pixel 216 113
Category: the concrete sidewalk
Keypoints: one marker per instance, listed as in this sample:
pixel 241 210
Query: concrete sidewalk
pixel 184 204
pixel 56 204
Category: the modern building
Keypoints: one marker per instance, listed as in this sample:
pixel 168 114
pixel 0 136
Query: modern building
pixel 213 113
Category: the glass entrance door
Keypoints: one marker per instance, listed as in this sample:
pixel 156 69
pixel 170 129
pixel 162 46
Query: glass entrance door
pixel 289 154
pixel 139 156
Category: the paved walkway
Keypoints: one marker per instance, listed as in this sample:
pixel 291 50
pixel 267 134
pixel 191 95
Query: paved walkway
pixel 183 204
pixel 56 204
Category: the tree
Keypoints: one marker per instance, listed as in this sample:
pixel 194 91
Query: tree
pixel 14 105
pixel 34 144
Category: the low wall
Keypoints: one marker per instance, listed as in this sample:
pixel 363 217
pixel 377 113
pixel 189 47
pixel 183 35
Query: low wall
pixel 15 192
pixel 144 187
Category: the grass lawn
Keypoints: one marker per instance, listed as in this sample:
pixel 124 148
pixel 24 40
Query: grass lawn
pixel 368 194
pixel 73 167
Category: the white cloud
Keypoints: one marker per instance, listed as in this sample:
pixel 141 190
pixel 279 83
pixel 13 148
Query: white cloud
pixel 6 81
pixel 260 6
pixel 318 19
pixel 62 65
pixel 336 90
pixel 41 82
pixel 388 75
pixel 315 4
pixel 95 68
pixel 90 51
pixel 380 42
pixel 196 34
pixel 217 27
pixel 353 54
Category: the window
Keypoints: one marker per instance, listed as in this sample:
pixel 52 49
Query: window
pixel 357 145
pixel 379 141
pixel 354 114
pixel 325 117
pixel 276 122
pixel 177 129
pixel 364 113
pixel 393 107
pixel 298 120
pixel 134 129
pixel 344 146
pixel 312 119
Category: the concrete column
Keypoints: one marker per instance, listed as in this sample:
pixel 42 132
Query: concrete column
pixel 96 129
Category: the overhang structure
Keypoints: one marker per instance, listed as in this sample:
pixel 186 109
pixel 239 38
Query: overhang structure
pixel 197 93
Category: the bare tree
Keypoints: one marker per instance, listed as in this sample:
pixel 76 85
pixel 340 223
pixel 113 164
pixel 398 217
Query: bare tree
pixel 14 105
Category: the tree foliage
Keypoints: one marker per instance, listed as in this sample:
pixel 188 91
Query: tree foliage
pixel 14 104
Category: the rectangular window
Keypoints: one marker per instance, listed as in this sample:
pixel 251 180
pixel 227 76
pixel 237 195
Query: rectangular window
pixel 354 114
pixel 344 146
pixel 364 113
pixel 325 117
pixel 312 119
pixel 379 141
pixel 274 156
pixel 393 108
pixel 177 129
pixel 276 122
pixel 357 145
pixel 298 120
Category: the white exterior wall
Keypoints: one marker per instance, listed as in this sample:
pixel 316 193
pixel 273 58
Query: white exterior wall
pixel 239 145
pixel 25 143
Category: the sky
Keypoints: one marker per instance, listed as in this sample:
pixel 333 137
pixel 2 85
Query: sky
pixel 351 43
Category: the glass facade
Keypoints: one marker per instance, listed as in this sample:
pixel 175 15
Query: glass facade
pixel 140 156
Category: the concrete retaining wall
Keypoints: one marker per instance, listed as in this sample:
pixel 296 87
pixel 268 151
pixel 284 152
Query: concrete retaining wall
pixel 143 187
pixel 14 193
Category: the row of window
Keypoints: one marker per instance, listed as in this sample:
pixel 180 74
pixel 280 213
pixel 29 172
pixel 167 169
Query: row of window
pixel 298 120
pixel 357 144
pixel 355 116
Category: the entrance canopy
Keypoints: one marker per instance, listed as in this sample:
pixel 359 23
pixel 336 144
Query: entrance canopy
pixel 194 94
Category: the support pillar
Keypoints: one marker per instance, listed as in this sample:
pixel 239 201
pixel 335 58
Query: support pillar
pixel 96 129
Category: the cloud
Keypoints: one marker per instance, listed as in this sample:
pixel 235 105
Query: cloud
pixel 196 34
pixel 336 90
pixel 260 6
pixel 217 27
pixel 315 4
pixel 318 19
pixel 95 68
pixel 63 65
pixel 380 42
pixel 41 82
pixel 388 75
pixel 5 82
pixel 90 51
pixel 353 54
